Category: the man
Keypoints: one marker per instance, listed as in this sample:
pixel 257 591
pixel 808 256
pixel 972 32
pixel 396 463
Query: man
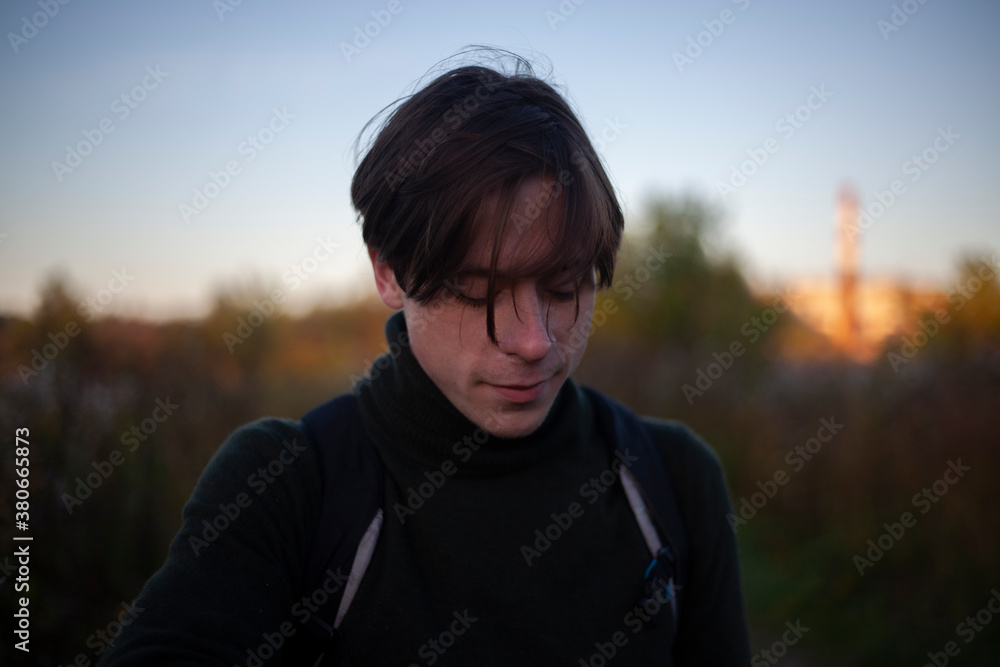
pixel 490 225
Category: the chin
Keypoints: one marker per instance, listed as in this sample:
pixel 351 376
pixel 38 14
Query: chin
pixel 510 432
pixel 516 423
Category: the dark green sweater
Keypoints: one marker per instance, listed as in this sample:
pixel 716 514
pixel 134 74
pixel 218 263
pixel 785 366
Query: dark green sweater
pixel 459 575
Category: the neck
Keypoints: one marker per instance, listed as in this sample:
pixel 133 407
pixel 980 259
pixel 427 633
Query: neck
pixel 413 423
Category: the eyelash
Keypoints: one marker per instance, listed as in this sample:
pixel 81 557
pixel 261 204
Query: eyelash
pixel 562 296
pixel 469 301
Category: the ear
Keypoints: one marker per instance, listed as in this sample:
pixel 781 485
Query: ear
pixel 385 281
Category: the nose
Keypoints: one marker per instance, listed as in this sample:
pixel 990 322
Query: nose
pixel 524 333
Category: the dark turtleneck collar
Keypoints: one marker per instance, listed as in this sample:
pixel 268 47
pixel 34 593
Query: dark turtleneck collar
pixel 413 423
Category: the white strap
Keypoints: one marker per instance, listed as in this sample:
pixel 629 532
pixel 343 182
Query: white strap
pixel 361 560
pixel 641 512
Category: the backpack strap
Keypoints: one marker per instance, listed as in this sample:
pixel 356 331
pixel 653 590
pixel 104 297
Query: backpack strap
pixel 351 515
pixel 651 494
pixel 349 522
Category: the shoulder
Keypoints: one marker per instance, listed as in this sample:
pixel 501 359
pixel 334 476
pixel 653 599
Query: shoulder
pixel 682 448
pixel 696 472
pixel 262 441
pixel 271 454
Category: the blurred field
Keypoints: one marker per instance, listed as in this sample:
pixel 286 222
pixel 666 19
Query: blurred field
pixel 900 430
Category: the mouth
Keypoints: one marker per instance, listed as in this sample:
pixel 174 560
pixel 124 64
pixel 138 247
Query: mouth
pixel 521 393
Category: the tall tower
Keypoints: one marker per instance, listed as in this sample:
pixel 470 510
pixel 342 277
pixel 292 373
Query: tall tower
pixel 849 334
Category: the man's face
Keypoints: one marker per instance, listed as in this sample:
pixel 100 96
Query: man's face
pixel 506 388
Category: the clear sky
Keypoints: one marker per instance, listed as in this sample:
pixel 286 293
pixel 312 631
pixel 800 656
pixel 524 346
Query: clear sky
pixel 201 77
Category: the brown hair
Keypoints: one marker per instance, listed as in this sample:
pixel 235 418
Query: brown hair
pixel 460 149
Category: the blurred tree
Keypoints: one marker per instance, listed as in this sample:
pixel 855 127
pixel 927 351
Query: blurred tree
pixel 697 299
pixel 974 306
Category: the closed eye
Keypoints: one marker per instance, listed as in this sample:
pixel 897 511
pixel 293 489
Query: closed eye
pixel 561 295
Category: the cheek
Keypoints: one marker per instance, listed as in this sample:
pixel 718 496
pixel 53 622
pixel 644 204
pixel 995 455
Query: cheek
pixel 569 317
pixel 457 340
pixel 572 330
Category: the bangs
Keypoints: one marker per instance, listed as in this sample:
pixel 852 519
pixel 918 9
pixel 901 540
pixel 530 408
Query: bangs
pixel 564 230
pixel 561 230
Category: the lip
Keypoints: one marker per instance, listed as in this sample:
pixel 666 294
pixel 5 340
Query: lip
pixel 521 393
